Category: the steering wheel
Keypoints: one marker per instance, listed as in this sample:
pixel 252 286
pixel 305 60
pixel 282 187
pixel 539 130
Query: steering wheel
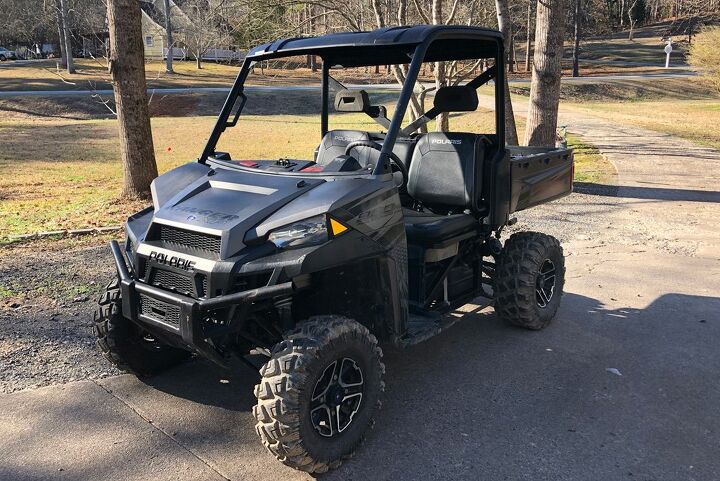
pixel 394 159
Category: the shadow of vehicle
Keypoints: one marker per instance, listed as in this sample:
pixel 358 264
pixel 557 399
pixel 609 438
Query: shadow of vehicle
pixel 488 401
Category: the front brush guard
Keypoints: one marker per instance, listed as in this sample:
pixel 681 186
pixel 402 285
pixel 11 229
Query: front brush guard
pixel 191 310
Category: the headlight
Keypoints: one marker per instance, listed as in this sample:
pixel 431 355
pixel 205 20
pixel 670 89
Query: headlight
pixel 307 232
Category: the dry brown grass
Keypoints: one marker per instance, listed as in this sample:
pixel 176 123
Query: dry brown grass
pixel 695 120
pixel 65 174
pixel 705 55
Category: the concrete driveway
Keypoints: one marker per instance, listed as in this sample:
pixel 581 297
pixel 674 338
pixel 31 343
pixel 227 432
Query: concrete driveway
pixel 624 385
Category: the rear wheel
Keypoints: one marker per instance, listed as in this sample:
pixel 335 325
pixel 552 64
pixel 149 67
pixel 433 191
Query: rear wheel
pixel 125 344
pixel 319 392
pixel 529 280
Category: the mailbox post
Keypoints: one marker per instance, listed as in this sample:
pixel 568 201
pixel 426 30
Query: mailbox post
pixel 668 50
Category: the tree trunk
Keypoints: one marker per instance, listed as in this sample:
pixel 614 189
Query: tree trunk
pixel 529 37
pixel 68 39
pixel 505 26
pixel 631 20
pixel 169 36
pixel 127 71
pixel 576 41
pixel 442 121
pixel 513 54
pixel 61 33
pixel 198 61
pixel 545 87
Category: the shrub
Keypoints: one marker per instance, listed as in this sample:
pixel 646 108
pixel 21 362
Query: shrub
pixel 704 54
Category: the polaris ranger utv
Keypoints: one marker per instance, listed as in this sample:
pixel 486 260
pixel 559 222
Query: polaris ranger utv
pixel 309 264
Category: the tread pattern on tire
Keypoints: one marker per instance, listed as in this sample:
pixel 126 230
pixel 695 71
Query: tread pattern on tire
pixel 517 269
pixel 283 377
pixel 112 333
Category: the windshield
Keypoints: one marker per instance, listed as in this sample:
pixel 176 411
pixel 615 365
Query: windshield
pixel 282 109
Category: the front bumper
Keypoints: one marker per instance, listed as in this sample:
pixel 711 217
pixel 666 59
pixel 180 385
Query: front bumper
pixel 188 312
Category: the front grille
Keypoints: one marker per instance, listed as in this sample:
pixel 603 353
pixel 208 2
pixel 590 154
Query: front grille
pixel 159 310
pixel 187 238
pixel 173 281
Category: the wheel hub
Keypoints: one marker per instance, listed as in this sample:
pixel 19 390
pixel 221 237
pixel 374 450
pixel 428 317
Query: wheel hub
pixel 545 283
pixel 337 397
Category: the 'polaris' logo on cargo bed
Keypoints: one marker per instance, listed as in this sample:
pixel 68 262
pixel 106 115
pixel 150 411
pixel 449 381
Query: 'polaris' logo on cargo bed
pixel 206 215
pixel 446 141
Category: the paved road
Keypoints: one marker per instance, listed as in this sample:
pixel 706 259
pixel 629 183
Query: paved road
pixel 481 401
pixel 206 90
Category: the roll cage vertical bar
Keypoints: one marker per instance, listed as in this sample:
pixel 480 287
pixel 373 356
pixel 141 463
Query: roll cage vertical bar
pixel 222 122
pixel 401 107
pixel 325 92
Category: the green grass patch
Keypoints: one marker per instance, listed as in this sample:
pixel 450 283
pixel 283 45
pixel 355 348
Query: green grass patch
pixel 590 165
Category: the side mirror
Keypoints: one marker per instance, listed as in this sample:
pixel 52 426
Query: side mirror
pixel 458 98
pixel 352 101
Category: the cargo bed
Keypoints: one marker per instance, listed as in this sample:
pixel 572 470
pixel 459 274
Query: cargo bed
pixel 539 175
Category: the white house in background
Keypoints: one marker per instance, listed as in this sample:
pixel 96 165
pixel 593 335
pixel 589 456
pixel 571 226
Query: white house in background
pixel 153 29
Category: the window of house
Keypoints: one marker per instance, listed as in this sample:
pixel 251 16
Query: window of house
pixel 148 41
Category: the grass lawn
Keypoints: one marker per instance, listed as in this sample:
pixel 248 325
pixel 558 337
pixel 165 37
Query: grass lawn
pixel 65 174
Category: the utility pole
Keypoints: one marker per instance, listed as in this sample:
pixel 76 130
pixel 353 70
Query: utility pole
pixel 168 36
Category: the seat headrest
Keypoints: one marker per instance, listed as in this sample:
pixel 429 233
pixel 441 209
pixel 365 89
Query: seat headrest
pixel 446 170
pixel 343 137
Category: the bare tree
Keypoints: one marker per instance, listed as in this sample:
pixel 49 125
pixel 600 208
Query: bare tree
pixel 632 19
pixel 505 25
pixel 66 38
pixel 206 29
pixel 528 40
pixel 169 38
pixel 577 18
pixel 127 72
pixel 542 116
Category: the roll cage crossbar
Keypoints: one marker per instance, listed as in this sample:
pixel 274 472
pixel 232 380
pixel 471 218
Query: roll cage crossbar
pixel 393 45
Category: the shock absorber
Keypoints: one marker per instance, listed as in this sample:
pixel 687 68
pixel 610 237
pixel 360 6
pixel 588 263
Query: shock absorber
pixel 284 310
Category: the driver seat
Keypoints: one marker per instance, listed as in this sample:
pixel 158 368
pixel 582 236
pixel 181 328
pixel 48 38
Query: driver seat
pixel 334 143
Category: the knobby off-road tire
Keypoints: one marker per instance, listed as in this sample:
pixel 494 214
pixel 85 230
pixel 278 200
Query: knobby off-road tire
pixel 124 344
pixel 295 374
pixel 524 293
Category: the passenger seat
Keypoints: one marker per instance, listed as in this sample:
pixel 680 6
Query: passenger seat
pixel 445 176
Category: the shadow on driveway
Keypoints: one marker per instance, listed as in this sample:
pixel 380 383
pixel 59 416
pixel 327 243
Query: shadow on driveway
pixel 487 401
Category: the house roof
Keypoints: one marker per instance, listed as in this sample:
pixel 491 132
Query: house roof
pixel 155 14
pixel 390 45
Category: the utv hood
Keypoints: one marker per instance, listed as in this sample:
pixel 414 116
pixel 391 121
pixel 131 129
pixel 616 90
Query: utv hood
pixel 221 202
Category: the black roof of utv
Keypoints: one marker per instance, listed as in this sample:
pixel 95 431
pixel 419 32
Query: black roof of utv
pixel 390 45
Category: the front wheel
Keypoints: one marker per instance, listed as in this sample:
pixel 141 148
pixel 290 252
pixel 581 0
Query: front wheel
pixel 319 392
pixel 529 280
pixel 125 344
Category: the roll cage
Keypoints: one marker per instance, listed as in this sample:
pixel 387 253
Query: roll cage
pixel 387 46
